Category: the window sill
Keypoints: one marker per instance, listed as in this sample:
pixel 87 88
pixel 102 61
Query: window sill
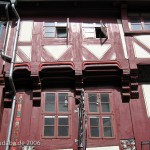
pixel 62 137
pixel 128 33
pixel 102 138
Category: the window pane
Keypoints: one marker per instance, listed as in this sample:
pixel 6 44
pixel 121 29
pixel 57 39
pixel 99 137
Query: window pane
pixel 89 30
pixel 94 121
pixel 147 21
pixel 98 32
pixel 62 106
pixel 61 24
pixel 89 35
pixel 92 98
pixel 107 124
pixel 63 120
pixel 147 26
pixel 1 28
pixel 135 20
pixel 93 107
pixel 104 97
pixel 108 132
pixel 136 26
pixel 63 131
pixel 49 131
pixel 88 25
pixel 94 131
pixel 48 24
pixel 50 102
pixel 49 120
pixel 94 126
pixel 50 35
pixel 49 29
pixel 107 121
pixel 97 25
pixel 105 107
pixel 61 33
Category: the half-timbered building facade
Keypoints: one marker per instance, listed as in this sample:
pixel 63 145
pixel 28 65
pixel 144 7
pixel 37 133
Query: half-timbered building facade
pixel 74 75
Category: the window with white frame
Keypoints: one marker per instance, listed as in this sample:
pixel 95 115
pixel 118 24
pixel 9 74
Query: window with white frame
pixel 100 115
pixel 55 29
pixel 94 30
pixel 139 21
pixel 56 116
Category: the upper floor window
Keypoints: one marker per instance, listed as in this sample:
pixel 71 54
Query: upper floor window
pixel 139 21
pixel 56 115
pixel 55 29
pixel 94 30
pixel 100 115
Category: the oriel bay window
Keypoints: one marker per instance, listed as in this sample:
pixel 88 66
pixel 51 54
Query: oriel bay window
pixel 100 115
pixel 56 115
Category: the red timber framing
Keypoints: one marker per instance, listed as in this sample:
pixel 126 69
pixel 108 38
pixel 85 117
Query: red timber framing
pixel 77 61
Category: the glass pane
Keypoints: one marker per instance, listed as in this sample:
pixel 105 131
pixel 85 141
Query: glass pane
pixel 61 33
pixel 61 24
pixel 62 106
pixel 135 21
pixel 49 35
pixel 88 25
pixel 147 21
pixel 89 30
pixel 94 121
pixel 63 131
pixel 97 25
pixel 108 132
pixel 1 27
pixel 89 35
pixel 104 97
pixel 147 26
pixel 48 24
pixel 133 14
pixel 93 107
pixel 105 107
pixel 49 131
pixel 49 120
pixel 49 29
pixel 94 131
pixel 107 121
pixel 92 98
pixel 63 120
pixel 98 32
pixel 50 102
pixel 136 26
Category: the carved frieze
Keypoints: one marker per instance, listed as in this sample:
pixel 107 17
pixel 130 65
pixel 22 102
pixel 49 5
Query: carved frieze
pixel 127 144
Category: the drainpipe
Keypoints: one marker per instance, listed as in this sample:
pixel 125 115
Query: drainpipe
pixel 3 55
pixel 11 77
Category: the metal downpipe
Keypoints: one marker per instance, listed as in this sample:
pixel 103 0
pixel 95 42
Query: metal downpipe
pixel 3 55
pixel 11 78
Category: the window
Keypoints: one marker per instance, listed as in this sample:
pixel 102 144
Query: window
pixel 139 21
pixel 94 30
pixel 55 29
pixel 56 118
pixel 100 115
